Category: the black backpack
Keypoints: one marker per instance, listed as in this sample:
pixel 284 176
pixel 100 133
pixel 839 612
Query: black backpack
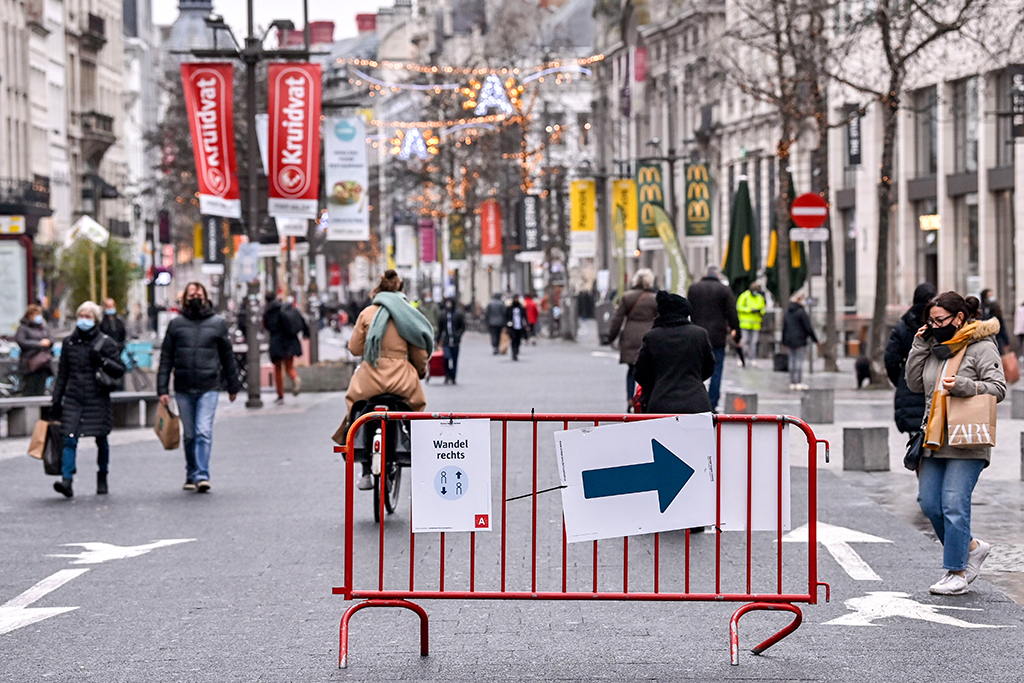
pixel 293 320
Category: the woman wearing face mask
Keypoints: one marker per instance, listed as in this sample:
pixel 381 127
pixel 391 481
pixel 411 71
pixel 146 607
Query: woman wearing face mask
pixel 79 402
pixel 33 337
pixel 990 309
pixel 947 475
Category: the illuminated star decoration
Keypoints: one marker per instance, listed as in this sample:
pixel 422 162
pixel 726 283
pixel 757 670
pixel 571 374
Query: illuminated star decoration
pixel 492 93
pixel 412 142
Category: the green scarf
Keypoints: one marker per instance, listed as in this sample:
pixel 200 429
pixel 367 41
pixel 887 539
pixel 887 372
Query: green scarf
pixel 412 326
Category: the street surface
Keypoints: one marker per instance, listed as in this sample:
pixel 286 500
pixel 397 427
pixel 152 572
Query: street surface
pixel 151 583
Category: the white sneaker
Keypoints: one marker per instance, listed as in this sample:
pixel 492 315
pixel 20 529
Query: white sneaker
pixel 793 387
pixel 950 584
pixel 975 558
pixel 739 364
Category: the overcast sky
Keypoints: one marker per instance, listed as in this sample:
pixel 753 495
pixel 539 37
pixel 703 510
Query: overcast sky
pixel 343 13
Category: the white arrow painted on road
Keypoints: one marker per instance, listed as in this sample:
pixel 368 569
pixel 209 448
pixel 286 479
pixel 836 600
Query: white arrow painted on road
pixel 836 540
pixel 97 553
pixel 884 604
pixel 16 613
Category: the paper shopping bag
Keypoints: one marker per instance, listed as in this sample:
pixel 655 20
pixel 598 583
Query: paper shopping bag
pixel 167 427
pixel 503 341
pixel 38 442
pixel 971 421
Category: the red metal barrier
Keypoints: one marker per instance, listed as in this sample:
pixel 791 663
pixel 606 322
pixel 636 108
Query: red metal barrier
pixel 734 552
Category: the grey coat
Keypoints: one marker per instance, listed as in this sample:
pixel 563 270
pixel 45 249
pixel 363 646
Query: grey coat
pixel 28 337
pixel 980 372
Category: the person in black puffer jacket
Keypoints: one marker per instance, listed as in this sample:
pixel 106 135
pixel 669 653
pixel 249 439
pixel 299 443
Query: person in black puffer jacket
pixel 909 405
pixel 796 332
pixel 197 348
pixel 674 360
pixel 79 402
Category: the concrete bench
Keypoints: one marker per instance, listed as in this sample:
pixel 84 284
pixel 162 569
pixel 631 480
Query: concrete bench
pixel 22 413
pixel 818 406
pixel 866 449
pixel 131 409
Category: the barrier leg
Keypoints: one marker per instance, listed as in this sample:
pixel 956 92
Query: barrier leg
pixel 734 635
pixel 343 641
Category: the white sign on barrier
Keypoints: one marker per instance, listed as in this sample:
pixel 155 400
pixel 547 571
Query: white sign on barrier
pixel 451 475
pixel 769 460
pixel 637 478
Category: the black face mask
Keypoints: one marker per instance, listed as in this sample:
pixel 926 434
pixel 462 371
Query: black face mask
pixel 193 305
pixel 944 334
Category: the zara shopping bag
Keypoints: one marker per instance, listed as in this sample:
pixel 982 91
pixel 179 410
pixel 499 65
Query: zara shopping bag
pixel 971 421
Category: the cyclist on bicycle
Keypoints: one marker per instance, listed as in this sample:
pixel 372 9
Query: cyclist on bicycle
pixel 395 341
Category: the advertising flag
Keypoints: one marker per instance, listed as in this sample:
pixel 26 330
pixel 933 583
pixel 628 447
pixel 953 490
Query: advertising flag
pixel 624 197
pixel 490 231
pixel 348 179
pixel 214 244
pixel 529 223
pixel 649 195
pixel 583 218
pixel 741 253
pixel 209 103
pixel 698 201
pixel 294 169
pixel 428 241
pixel 456 239
pixel 679 277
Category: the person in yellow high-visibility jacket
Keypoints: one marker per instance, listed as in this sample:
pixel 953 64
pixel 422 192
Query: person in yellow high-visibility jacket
pixel 750 308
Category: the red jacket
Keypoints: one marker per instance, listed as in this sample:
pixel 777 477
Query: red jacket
pixel 531 310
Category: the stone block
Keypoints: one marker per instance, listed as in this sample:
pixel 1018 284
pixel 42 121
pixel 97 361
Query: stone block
pixel 817 406
pixel 740 403
pixel 866 449
pixel 1017 404
pixel 333 376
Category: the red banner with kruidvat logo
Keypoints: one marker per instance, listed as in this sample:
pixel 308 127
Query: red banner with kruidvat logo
pixel 209 103
pixel 490 231
pixel 294 168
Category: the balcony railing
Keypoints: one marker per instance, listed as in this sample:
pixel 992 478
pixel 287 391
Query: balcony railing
pixel 95 122
pixel 94 37
pixel 25 196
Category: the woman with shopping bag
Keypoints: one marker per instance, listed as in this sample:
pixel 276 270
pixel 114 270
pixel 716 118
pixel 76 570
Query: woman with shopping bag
pixel 955 362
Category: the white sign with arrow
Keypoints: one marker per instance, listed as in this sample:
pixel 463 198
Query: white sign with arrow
pixel 836 540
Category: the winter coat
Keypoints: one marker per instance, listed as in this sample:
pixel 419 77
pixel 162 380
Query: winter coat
pixel 29 336
pixel 909 405
pixel 750 310
pixel 199 351
pixel 532 314
pixel 980 372
pixel 510 319
pixel 671 367
pixel 714 309
pixel 398 370
pixel 113 327
pixel 458 327
pixel 495 312
pixel 432 312
pixel 283 342
pixel 796 327
pixel 81 405
pixel 638 309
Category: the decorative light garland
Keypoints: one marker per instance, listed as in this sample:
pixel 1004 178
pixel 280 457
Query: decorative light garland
pixel 403 86
pixel 432 69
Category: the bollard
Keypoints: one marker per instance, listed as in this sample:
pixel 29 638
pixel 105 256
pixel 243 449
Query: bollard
pixel 740 403
pixel 866 449
pixel 1022 456
pixel 817 406
pixel 1017 404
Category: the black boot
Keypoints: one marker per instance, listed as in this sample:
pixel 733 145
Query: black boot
pixel 101 483
pixel 63 486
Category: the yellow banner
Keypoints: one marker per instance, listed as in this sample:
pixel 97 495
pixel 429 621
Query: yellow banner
pixel 197 240
pixel 583 218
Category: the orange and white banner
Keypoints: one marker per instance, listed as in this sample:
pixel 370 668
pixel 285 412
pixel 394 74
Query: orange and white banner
pixel 209 102
pixel 490 231
pixel 294 168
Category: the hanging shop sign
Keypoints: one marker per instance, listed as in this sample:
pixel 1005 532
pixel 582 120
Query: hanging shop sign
pixel 583 218
pixel 214 240
pixel 1017 98
pixel 490 231
pixel 698 201
pixel 428 241
pixel 649 195
pixel 853 139
pixel 348 179
pixel 456 239
pixel 209 104
pixel 529 223
pixel 294 168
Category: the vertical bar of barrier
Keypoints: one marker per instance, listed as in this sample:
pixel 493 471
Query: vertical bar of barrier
pixel 718 518
pixel 595 566
pixel 382 487
pixel 565 559
pixel 750 500
pixel 625 564
pixel 504 494
pixel 442 561
pixel 657 565
pixel 472 561
pixel 778 486
pixel 686 561
pixel 349 509
pixel 412 556
pixel 812 519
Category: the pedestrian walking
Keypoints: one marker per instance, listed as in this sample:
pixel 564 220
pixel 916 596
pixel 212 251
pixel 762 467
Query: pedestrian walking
pixel 948 474
pixel 197 349
pixel 750 307
pixel 112 325
pixel 714 309
pixel 515 320
pixel 1018 328
pixel 395 341
pixel 633 317
pixel 80 403
pixel 495 314
pixel 36 345
pixel 674 360
pixel 430 310
pixel 449 335
pixel 990 309
pixel 284 322
pixel 908 405
pixel 532 316
pixel 796 331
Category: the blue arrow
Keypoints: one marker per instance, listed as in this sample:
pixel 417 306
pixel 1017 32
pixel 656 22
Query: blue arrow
pixel 667 475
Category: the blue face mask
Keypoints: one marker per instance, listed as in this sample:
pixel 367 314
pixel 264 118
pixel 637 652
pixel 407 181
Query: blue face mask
pixel 38 320
pixel 110 311
pixel 85 324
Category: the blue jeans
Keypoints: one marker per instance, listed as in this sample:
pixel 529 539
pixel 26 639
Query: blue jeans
pixel 67 466
pixel 197 411
pixel 944 493
pixel 630 383
pixel 451 361
pixel 716 377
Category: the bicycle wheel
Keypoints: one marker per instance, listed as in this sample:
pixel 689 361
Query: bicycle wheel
pixel 392 482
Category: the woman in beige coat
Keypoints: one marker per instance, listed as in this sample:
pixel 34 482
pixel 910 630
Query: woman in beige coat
pixel 947 474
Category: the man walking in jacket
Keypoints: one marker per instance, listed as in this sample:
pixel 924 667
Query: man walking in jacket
pixel 197 348
pixel 449 331
pixel 495 315
pixel 714 309
pixel 285 323
pixel 750 308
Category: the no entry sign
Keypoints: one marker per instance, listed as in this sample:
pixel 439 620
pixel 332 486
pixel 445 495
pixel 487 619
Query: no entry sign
pixel 809 211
